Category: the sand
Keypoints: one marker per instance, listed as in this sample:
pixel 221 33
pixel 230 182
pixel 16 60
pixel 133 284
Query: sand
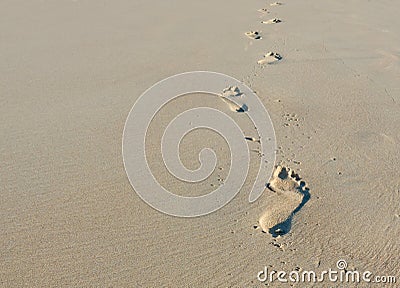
pixel 72 70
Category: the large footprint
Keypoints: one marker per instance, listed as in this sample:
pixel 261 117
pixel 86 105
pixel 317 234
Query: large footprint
pixel 290 196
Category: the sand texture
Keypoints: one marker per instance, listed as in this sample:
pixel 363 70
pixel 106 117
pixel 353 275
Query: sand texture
pixel 328 74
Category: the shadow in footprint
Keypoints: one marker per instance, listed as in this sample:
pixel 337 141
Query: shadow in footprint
pixel 284 227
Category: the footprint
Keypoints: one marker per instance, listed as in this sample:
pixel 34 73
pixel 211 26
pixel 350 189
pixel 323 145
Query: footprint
pixel 275 4
pixel 252 139
pixel 231 91
pixel 263 10
pixel 253 35
pixel 269 58
pixel 272 21
pixel 290 196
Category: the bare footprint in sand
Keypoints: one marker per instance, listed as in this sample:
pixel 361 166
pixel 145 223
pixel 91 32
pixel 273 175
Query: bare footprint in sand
pixel 263 10
pixel 269 58
pixel 275 4
pixel 234 92
pixel 231 91
pixel 272 21
pixel 253 35
pixel 290 196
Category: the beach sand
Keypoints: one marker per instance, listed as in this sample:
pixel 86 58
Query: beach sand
pixel 72 70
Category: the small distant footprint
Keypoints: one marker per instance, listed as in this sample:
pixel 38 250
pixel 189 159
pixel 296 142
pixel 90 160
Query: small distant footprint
pixel 269 58
pixel 253 35
pixel 275 4
pixel 272 21
pixel 263 10
pixel 291 195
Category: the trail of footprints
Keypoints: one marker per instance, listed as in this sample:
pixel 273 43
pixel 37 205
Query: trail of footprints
pixel 289 191
pixel 269 57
